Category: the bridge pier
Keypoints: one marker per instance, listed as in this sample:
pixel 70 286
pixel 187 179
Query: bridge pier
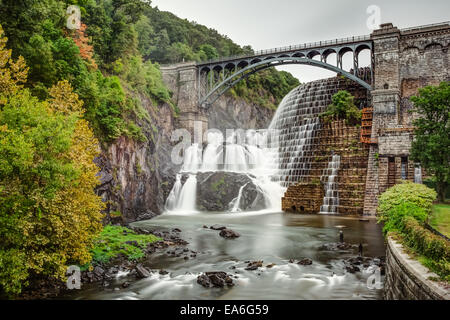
pixel 183 80
pixel 386 103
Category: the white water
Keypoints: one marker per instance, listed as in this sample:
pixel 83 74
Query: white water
pixel 331 198
pixel 250 154
pixel 273 159
pixel 174 195
pixel 295 124
pixel 187 197
pixel 234 204
pixel 418 174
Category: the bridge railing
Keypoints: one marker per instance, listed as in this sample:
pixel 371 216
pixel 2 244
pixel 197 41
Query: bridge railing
pixel 310 45
pixel 440 24
pixel 303 46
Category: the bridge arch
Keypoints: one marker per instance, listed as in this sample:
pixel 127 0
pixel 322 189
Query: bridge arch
pixel 252 68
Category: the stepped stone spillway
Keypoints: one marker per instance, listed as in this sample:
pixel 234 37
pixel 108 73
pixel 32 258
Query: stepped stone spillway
pixel 304 158
pixel 298 125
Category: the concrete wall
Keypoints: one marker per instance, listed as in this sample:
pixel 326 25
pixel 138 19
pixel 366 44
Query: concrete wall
pixel 182 80
pixel 407 279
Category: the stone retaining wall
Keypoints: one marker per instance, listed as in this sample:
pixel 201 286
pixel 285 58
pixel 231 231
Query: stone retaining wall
pixel 407 279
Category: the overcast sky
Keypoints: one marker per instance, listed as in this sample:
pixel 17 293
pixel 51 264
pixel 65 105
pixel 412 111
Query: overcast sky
pixel 265 24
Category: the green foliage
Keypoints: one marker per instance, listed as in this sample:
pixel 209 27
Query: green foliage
pixel 145 77
pixel 342 108
pixel 436 249
pixel 49 212
pixel 431 146
pixel 171 31
pixel 53 55
pixel 440 218
pixel 404 209
pixel 170 39
pixel 394 217
pixel 266 88
pixel 407 191
pixel 117 240
pixel 209 51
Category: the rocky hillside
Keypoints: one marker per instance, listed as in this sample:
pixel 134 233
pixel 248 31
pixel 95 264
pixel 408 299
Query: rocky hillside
pixel 232 113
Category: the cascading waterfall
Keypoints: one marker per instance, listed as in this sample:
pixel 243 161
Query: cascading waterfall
pixel 187 194
pixel 174 195
pixel 331 198
pixel 252 156
pixel 418 174
pixel 295 123
pixel 273 159
pixel 234 204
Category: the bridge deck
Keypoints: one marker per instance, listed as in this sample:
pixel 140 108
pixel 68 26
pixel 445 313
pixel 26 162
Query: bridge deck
pixel 289 49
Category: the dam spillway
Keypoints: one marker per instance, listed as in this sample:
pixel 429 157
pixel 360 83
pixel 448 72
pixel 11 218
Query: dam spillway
pixel 256 169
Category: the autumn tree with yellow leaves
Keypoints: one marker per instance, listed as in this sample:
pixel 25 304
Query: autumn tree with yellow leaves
pixel 49 213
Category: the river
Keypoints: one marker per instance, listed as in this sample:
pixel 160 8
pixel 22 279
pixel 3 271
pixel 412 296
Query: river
pixel 272 237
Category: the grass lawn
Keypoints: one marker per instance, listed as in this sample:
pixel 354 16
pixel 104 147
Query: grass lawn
pixel 440 218
pixel 115 240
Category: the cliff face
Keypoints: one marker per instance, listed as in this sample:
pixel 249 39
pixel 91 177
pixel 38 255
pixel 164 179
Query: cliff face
pixel 231 113
pixel 136 177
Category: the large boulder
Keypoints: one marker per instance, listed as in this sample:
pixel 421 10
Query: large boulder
pixel 216 279
pixel 216 191
pixel 229 234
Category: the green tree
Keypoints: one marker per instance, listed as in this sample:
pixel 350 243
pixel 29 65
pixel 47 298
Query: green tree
pixel 210 51
pixel 49 213
pixel 342 108
pixel 431 145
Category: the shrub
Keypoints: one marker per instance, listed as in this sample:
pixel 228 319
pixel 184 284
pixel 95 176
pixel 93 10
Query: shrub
pixel 404 209
pixel 394 217
pixel 342 108
pixel 407 191
pixel 436 249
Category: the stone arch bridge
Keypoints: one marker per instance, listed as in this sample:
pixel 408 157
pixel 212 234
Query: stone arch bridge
pixel 217 76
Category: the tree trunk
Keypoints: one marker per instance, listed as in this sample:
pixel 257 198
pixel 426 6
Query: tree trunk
pixel 441 190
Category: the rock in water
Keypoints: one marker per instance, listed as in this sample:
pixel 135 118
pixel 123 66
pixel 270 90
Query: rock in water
pixel 217 227
pixel 254 265
pixel 305 262
pixel 216 279
pixel 216 190
pixel 142 272
pixel 229 234
pixel 203 280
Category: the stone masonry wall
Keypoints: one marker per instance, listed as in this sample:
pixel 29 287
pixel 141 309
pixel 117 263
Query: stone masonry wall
pixel 404 62
pixel 344 140
pixel 408 279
